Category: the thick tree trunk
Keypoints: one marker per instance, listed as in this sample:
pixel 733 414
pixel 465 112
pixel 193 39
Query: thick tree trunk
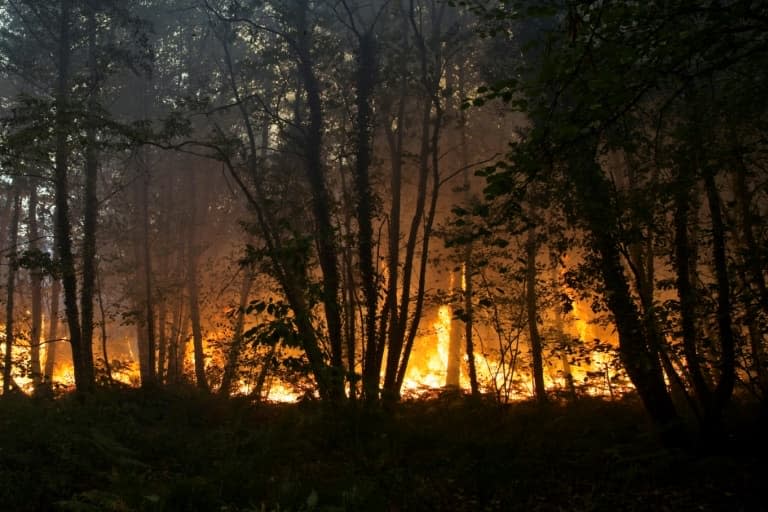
pixel 686 291
pixel 63 230
pixel 365 79
pixel 90 214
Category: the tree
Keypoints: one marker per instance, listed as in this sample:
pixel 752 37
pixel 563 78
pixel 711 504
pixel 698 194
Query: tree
pixel 598 76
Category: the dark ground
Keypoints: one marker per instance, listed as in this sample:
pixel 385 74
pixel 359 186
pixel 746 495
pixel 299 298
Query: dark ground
pixel 133 450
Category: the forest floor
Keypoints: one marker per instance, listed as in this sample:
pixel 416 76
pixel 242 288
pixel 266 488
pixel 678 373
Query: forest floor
pixel 132 450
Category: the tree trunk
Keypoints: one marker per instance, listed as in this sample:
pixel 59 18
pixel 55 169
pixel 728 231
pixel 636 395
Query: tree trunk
pixel 469 342
pixel 51 341
pixel 724 389
pixel 453 365
pixel 162 341
pixel 640 361
pixel 433 149
pixel 149 307
pixel 193 255
pixel 321 205
pixel 531 305
pixel 103 329
pixel 686 290
pixel 365 79
pixel 236 348
pixel 287 277
pixel 36 284
pixel 63 230
pixel 90 214
pixel 395 347
pixel 13 239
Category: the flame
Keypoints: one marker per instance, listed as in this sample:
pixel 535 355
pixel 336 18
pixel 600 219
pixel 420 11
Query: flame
pixel 279 392
pixel 427 370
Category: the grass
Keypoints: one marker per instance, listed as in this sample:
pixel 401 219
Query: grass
pixel 133 450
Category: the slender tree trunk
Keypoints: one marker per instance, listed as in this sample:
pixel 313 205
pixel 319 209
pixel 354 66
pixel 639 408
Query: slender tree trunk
pixel 175 352
pixel 13 239
pixel 429 160
pixel 193 256
pixel 53 330
pixel 453 365
pixel 162 341
pixel 395 348
pixel 36 284
pixel 433 148
pixel 103 329
pixel 724 389
pixel 469 310
pixel 235 349
pixel 531 304
pixel 149 307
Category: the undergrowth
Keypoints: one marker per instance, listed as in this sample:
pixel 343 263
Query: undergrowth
pixel 134 450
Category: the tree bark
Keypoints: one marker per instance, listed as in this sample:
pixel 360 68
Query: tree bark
pixel 90 214
pixel 321 204
pixel 724 389
pixel 236 347
pixel 51 341
pixel 531 304
pixel 686 291
pixel 640 361
pixel 365 80
pixel 63 230
pixel 193 256
pixel 36 285
pixel 10 334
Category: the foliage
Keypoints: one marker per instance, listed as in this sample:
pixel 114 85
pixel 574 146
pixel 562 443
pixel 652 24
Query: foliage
pixel 180 450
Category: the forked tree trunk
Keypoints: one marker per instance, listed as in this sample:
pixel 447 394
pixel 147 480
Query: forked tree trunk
pixel 724 389
pixel 640 361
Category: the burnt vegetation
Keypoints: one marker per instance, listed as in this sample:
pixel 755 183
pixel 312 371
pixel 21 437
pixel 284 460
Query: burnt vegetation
pixel 383 255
